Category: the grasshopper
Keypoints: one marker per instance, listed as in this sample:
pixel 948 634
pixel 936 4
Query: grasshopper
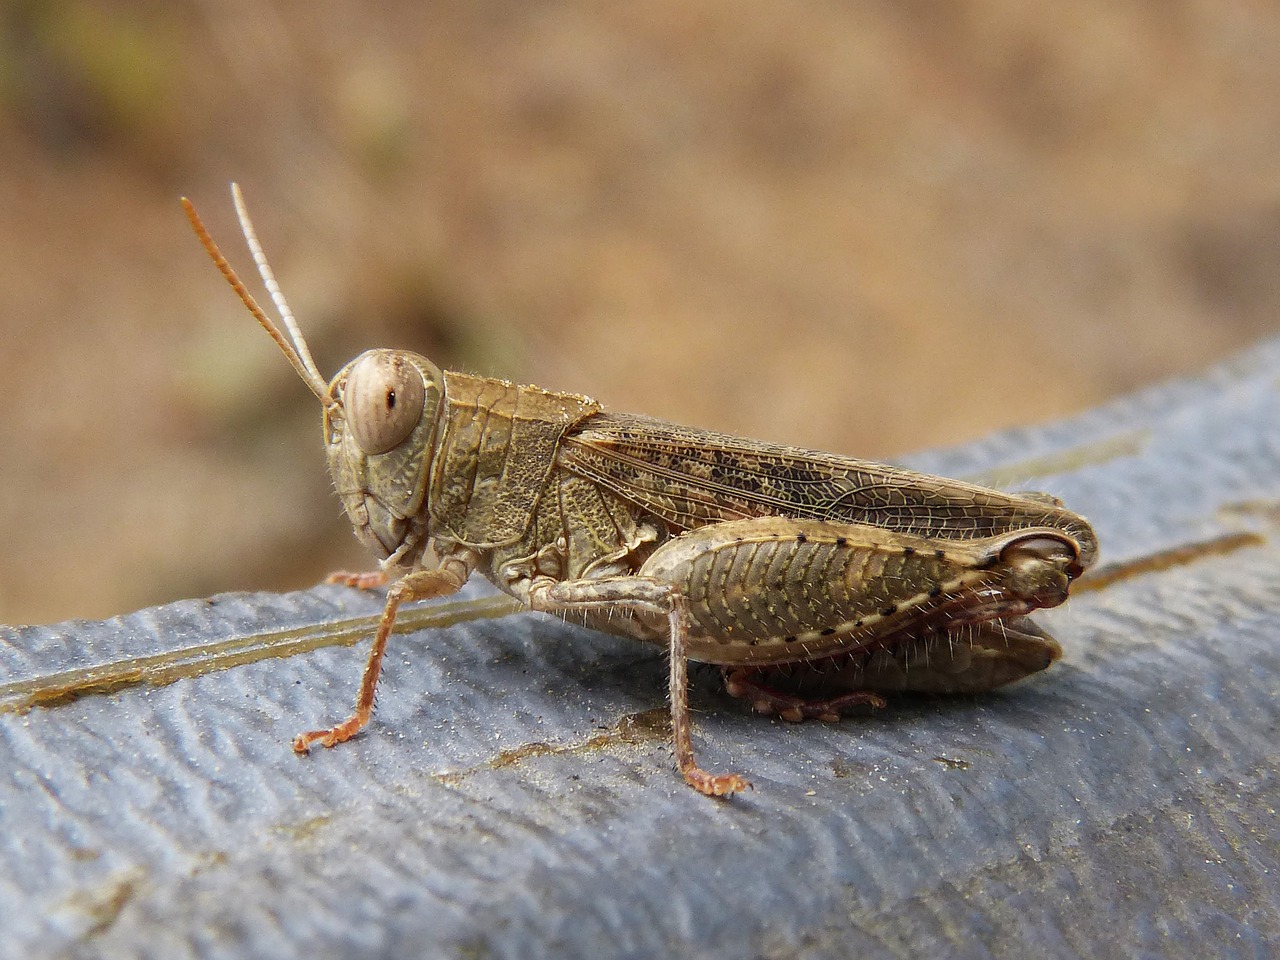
pixel 813 580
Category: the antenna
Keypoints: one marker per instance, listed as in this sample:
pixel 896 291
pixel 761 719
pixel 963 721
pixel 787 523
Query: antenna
pixel 296 351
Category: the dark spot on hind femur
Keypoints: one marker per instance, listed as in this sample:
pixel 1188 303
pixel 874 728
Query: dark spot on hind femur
pixel 889 611
pixel 935 590
pixel 908 551
pixel 828 631
pixel 801 538
pixel 842 541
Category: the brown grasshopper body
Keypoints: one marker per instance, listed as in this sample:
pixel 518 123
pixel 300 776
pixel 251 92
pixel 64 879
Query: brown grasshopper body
pixel 790 568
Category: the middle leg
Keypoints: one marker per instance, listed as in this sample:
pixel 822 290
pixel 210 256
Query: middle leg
pixel 652 596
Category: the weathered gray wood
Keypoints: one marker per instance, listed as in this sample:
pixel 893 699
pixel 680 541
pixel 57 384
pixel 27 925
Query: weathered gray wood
pixel 1122 803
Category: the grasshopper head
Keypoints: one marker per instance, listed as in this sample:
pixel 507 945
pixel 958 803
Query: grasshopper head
pixel 379 429
pixel 380 416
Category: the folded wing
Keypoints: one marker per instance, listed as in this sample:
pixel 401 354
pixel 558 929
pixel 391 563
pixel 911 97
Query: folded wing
pixel 689 478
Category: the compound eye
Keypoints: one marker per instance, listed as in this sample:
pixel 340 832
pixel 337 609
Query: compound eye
pixel 383 401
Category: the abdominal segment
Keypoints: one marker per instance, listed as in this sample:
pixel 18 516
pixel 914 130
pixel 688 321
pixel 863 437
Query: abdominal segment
pixel 971 659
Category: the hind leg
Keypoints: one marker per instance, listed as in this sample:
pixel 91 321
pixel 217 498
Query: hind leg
pixel 748 683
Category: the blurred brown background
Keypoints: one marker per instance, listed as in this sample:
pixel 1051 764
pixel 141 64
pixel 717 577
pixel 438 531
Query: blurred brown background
pixel 867 227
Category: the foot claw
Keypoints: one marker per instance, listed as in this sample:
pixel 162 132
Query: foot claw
pixel 302 742
pixel 716 785
pixel 326 738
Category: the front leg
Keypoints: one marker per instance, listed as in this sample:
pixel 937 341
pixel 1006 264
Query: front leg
pixel 365 580
pixel 652 596
pixel 440 581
